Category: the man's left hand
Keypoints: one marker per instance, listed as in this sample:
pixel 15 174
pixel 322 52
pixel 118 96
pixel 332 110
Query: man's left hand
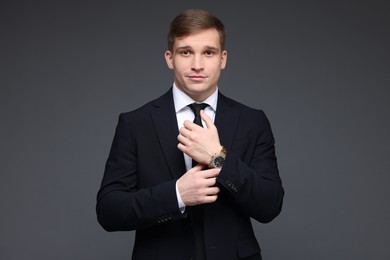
pixel 197 142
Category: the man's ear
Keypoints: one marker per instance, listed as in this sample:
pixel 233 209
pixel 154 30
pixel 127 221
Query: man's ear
pixel 169 59
pixel 223 59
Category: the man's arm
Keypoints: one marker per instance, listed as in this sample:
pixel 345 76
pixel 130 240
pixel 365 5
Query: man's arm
pixel 121 204
pixel 255 186
pixel 253 183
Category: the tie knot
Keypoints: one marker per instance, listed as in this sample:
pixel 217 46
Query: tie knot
pixel 196 107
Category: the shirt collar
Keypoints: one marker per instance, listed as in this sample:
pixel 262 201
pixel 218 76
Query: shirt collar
pixel 182 100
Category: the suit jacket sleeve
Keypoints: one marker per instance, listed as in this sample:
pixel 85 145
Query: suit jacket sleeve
pixel 121 204
pixel 250 173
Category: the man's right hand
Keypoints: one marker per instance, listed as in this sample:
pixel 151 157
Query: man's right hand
pixel 196 186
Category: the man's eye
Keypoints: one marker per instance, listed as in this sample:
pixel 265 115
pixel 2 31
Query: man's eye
pixel 209 53
pixel 185 52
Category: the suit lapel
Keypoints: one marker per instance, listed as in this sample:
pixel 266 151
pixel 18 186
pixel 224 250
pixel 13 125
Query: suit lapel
pixel 226 120
pixel 165 123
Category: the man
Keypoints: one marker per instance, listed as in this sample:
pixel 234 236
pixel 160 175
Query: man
pixel 188 176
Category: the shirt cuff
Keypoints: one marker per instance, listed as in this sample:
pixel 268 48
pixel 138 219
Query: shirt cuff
pixel 180 202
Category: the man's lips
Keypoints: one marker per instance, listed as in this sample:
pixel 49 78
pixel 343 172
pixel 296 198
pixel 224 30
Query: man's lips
pixel 195 77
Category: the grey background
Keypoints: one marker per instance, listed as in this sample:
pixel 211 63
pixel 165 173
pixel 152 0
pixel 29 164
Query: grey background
pixel 319 69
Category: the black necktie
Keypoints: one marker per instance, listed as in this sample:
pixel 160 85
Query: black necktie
pixel 196 212
pixel 196 107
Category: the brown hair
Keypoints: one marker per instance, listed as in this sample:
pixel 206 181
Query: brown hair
pixel 194 20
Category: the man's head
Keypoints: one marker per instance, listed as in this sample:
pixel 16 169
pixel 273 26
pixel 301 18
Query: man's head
pixel 196 52
pixel 194 20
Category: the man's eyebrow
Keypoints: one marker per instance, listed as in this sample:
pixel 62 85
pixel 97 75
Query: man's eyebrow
pixel 183 47
pixel 211 48
pixel 207 47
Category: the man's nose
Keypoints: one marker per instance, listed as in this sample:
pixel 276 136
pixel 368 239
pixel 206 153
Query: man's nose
pixel 197 63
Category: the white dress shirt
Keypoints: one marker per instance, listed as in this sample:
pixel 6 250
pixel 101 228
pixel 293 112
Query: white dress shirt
pixel 183 112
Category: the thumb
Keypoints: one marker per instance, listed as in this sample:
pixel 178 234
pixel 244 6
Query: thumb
pixel 206 119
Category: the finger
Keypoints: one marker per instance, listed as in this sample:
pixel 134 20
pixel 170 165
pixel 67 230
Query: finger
pixel 211 173
pixel 184 131
pixel 212 191
pixel 206 119
pixel 182 139
pixel 181 147
pixel 210 199
pixel 197 168
pixel 211 182
pixel 190 125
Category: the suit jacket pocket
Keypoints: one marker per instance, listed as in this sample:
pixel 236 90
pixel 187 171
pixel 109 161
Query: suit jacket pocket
pixel 248 247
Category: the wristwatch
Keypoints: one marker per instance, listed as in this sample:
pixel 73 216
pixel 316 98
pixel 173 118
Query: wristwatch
pixel 218 159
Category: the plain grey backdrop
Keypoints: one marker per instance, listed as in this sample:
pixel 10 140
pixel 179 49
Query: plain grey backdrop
pixel 319 69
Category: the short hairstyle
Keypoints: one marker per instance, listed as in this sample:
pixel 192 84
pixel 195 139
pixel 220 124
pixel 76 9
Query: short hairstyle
pixel 194 20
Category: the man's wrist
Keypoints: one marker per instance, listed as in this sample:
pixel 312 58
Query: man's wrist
pixel 180 202
pixel 218 159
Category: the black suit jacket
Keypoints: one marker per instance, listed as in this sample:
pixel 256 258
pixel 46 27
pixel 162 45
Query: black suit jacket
pixel 138 187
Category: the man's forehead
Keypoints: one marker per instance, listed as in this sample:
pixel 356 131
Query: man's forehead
pixel 201 39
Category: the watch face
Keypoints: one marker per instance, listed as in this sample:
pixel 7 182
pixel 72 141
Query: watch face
pixel 218 162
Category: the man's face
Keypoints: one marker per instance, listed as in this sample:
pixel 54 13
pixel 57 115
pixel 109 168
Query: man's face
pixel 197 61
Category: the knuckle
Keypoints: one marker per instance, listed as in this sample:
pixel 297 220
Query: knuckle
pixel 198 200
pixel 198 183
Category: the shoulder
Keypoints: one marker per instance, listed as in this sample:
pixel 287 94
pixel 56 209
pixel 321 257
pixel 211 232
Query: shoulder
pixel 244 110
pixel 143 111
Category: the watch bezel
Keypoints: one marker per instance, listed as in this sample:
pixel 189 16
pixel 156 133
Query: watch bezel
pixel 218 161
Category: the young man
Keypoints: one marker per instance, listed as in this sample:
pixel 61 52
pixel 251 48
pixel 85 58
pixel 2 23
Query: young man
pixel 189 191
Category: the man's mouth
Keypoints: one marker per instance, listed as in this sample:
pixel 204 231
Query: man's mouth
pixel 196 77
